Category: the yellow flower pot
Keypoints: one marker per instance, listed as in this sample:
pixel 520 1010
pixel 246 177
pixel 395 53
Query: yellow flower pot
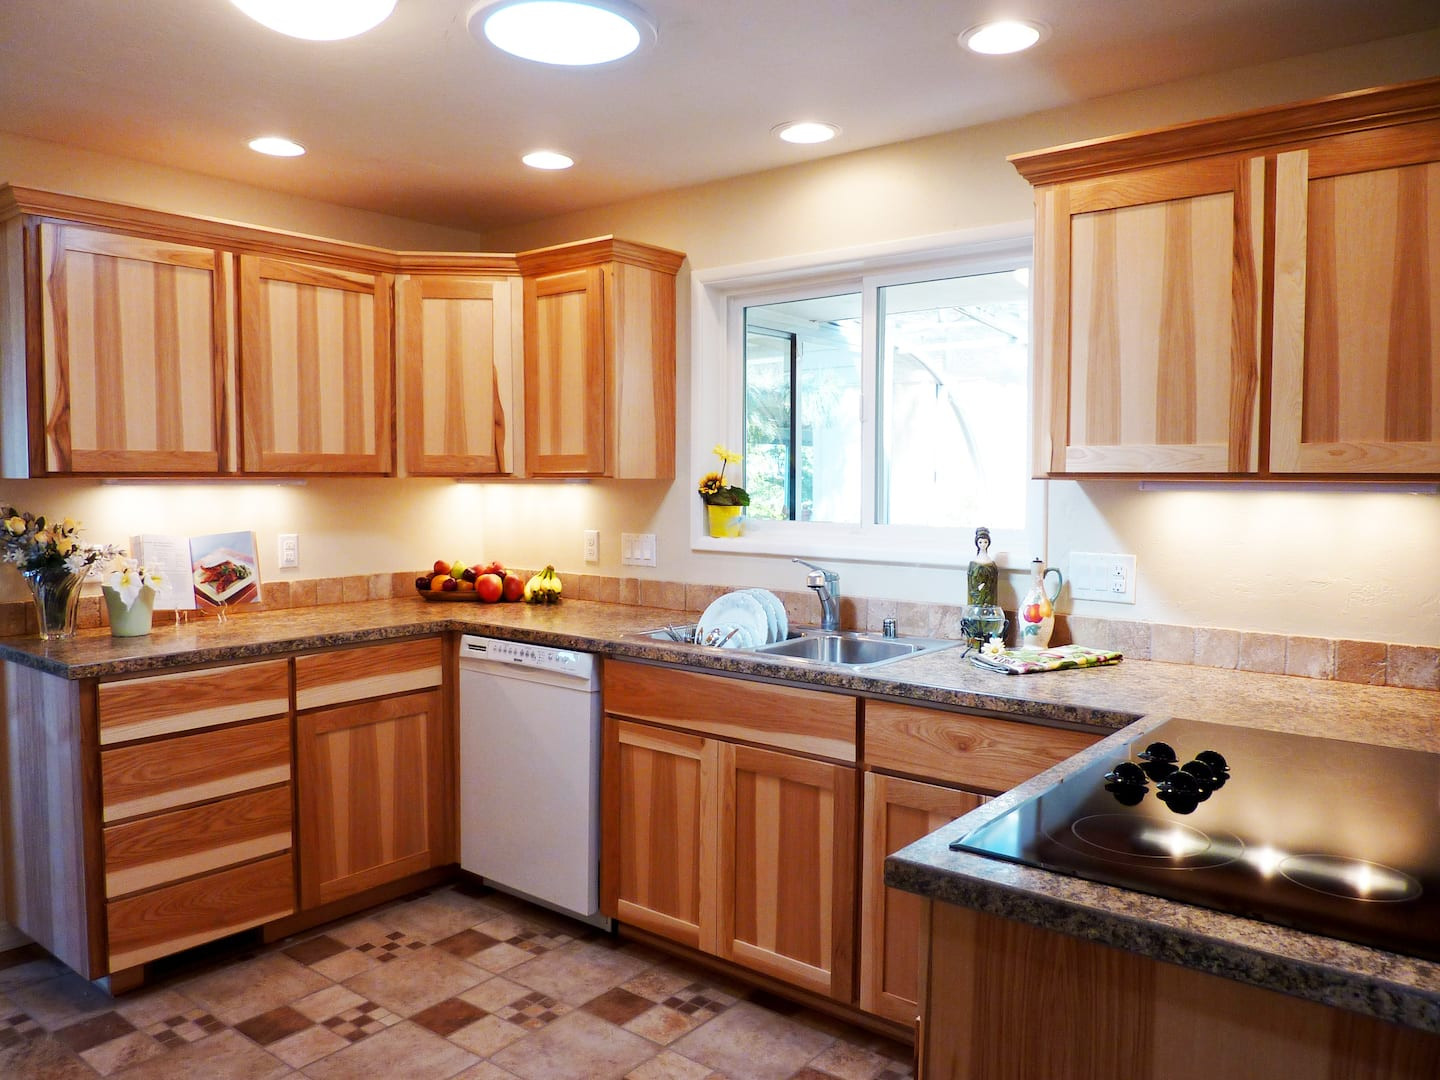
pixel 726 521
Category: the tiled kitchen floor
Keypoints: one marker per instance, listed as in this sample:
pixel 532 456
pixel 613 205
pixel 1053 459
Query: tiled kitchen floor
pixel 457 982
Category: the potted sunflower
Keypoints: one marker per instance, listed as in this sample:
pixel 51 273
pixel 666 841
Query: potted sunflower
pixel 724 503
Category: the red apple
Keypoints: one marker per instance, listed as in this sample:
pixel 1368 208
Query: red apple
pixel 489 587
pixel 441 566
pixel 494 568
pixel 514 587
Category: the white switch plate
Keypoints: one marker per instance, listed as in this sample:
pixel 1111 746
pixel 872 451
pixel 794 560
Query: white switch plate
pixel 637 549
pixel 1106 577
pixel 592 545
pixel 288 551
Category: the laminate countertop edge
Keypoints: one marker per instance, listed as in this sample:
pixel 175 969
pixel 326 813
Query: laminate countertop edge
pixel 1389 986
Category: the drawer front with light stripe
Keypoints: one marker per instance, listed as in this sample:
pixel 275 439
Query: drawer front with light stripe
pixel 145 778
pixel 190 700
pixel 369 671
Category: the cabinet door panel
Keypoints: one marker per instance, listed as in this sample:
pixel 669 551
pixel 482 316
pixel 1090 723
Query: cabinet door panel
pixel 316 367
pixel 135 353
pixel 372 798
pixel 566 376
pixel 1357 309
pixel 787 837
pixel 459 348
pixel 659 843
pixel 896 813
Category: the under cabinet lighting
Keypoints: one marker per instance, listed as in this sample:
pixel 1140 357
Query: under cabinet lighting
pixel 548 159
pixel 318 20
pixel 1000 38
pixel 276 146
pixel 806 131
pixel 569 33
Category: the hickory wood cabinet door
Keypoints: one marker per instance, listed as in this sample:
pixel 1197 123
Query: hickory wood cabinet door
pixel 374 753
pixel 897 812
pixel 459 348
pixel 136 348
pixel 600 360
pixel 1148 320
pixel 1356 347
pixel 316 368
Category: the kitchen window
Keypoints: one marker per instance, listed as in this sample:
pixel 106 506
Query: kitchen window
pixel 880 400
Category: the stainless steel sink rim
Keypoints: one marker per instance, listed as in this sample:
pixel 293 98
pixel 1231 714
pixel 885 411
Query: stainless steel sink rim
pixel 837 643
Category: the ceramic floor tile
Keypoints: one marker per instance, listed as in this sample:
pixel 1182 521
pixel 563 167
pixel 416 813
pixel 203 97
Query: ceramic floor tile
pixel 487 1035
pixel 466 943
pixel 577 1045
pixel 663 1025
pixel 577 972
pixel 303 1047
pixel 187 1027
pixel 362 1021
pixel 416 981
pixel 751 1042
pixel 437 916
pixel 43 1058
pixel 93 1031
pixel 846 1061
pixel 226 1056
pixel 145 1007
pixel 494 993
pixel 32 969
pixel 326 1003
pixel 404 1050
pixel 315 949
pixel 239 991
pixel 448 1016
pixel 668 1065
pixel 484 1071
pixel 122 1053
pixel 61 1000
pixel 619 1006
pixel 274 1025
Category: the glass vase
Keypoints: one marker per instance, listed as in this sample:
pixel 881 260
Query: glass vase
pixel 56 591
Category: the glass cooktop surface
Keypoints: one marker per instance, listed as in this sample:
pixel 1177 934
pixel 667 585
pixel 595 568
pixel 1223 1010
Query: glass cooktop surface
pixel 1333 837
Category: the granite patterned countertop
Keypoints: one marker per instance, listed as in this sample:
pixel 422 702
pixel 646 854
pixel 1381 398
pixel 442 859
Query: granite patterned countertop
pixel 1106 699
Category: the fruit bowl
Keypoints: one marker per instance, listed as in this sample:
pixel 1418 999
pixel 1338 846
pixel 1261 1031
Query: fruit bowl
pixel 450 597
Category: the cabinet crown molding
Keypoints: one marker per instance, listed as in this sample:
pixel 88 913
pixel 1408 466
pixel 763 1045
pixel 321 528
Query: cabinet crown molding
pixel 1253 131
pixel 582 253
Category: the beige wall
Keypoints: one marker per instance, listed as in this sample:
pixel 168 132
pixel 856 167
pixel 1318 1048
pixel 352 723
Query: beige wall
pixel 1360 565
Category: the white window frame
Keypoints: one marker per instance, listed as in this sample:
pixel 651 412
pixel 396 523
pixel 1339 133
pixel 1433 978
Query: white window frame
pixel 717 393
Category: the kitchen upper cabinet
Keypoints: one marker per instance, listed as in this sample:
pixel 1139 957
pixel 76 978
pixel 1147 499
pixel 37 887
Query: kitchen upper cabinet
pixel 600 360
pixel 116 352
pixel 1357 304
pixel 374 754
pixel 459 348
pixel 316 368
pixel 1148 318
pixel 1170 306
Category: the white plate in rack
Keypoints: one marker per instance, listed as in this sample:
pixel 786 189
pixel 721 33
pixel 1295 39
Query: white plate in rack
pixel 779 628
pixel 735 609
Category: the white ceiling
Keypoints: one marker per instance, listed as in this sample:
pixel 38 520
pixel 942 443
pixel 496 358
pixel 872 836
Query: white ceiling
pixel 417 119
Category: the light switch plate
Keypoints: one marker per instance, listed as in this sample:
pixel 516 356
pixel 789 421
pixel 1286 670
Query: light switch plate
pixel 1109 578
pixel 637 549
pixel 287 554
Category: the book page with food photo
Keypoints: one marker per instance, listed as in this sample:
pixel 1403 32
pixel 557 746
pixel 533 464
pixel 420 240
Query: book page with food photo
pixel 226 570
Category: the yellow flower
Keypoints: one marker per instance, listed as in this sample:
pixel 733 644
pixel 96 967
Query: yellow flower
pixel 16 525
pixel 711 483
pixel 64 545
pixel 725 455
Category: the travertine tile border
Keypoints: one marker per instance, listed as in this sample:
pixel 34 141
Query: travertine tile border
pixel 1373 663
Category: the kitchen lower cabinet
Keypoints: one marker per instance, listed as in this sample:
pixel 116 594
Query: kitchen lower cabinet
pixel 742 851
pixel 374 753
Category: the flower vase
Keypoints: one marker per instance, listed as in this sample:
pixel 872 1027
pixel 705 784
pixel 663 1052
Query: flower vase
pixel 56 591
pixel 132 621
pixel 726 521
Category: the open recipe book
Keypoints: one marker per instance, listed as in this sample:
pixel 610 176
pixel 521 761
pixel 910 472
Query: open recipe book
pixel 201 571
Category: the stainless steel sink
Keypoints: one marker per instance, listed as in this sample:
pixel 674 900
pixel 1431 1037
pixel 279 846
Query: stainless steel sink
pixel 811 647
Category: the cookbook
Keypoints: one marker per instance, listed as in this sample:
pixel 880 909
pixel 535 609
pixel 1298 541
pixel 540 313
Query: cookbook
pixel 212 571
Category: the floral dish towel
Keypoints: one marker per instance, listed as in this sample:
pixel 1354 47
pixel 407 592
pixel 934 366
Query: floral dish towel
pixel 1029 661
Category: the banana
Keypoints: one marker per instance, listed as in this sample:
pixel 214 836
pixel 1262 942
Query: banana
pixel 543 588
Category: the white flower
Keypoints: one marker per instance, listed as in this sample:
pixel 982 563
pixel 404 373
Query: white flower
pixel 128 581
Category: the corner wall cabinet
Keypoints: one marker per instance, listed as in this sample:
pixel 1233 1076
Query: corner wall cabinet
pixel 135 342
pixel 600 360
pixel 1158 272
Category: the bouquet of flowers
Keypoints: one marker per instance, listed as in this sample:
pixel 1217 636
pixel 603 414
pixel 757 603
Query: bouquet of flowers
pixel 713 488
pixel 34 544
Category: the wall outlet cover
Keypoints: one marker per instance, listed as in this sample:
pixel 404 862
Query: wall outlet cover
pixel 1109 578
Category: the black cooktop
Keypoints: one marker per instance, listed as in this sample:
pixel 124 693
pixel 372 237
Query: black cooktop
pixel 1333 837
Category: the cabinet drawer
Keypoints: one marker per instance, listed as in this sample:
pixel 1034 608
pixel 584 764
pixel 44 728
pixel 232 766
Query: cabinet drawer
pixel 365 672
pixel 170 773
pixel 168 704
pixel 182 843
pixel 806 721
pixel 977 751
pixel 177 917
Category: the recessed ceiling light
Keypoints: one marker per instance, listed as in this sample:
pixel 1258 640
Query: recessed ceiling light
pixel 276 146
pixel 806 131
pixel 547 159
pixel 1005 36
pixel 565 32
pixel 318 20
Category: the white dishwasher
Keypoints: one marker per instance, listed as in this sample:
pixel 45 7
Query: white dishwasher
pixel 530 772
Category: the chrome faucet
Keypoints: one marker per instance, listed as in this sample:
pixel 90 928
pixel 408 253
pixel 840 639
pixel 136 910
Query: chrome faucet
pixel 826 584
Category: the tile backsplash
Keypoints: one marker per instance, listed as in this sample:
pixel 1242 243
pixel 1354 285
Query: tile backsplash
pixel 1375 663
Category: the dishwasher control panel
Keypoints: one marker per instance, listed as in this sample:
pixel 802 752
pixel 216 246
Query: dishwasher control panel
pixel 524 654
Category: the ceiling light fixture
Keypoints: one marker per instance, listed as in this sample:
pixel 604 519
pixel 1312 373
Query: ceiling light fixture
pixel 276 146
pixel 1005 36
pixel 806 131
pixel 547 159
pixel 564 32
pixel 318 20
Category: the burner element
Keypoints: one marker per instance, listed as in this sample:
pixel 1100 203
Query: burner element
pixel 1352 879
pixel 1166 846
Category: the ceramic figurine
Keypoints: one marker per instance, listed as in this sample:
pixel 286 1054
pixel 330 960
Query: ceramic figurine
pixel 1035 620
pixel 983 579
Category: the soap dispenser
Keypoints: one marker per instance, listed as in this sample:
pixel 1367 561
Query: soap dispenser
pixel 1036 619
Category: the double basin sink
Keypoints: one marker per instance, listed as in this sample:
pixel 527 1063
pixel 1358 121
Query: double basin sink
pixel 812 647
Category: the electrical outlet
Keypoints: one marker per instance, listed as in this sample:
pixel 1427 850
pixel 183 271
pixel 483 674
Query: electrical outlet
pixel 288 553
pixel 1106 577
pixel 637 549
pixel 592 545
